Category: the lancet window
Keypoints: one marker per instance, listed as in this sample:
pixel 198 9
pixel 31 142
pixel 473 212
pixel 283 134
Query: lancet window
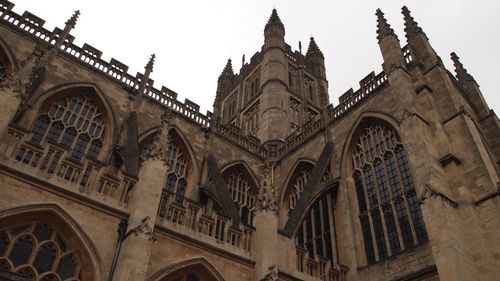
pixel 390 216
pixel 75 122
pixel 243 192
pixel 296 185
pixel 3 68
pixel 315 239
pixel 38 252
pixel 178 170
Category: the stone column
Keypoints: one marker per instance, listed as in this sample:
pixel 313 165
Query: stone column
pixel 266 223
pixel 143 205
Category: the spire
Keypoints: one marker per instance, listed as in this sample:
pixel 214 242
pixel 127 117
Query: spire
pixel 313 48
pixel 274 19
pixel 462 74
pixel 70 24
pixel 411 26
pixel 145 77
pixel 228 69
pixel 383 28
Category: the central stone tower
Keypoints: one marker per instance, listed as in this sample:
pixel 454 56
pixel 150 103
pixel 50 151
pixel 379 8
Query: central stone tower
pixel 277 93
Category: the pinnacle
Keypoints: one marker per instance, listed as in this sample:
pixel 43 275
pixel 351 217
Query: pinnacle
pixel 313 48
pixel 274 19
pixel 383 28
pixel 462 74
pixel 151 62
pixel 411 26
pixel 72 21
pixel 228 69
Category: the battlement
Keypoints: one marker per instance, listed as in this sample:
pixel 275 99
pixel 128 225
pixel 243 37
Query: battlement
pixel 90 56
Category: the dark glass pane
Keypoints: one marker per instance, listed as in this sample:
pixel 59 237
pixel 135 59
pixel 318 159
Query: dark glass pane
pixel 171 179
pixel 18 230
pixel 191 277
pixel 379 234
pixel 68 137
pixel 360 192
pixel 50 277
pixel 163 206
pixel 309 237
pixel 404 168
pixel 45 258
pixel 418 220
pixel 391 230
pixel 41 125
pixel 244 214
pixel 300 236
pixel 66 267
pixel 95 148
pixel 21 251
pixel 404 224
pixel 381 182
pixel 370 187
pixel 393 175
pixel 4 265
pixel 80 147
pixel 181 190
pixel 4 241
pixel 42 232
pixel 54 132
pixel 367 238
pixel 86 176
pixel 54 162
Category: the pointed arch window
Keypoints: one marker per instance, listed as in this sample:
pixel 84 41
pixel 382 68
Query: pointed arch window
pixel 243 192
pixel 3 65
pixel 73 121
pixel 38 251
pixel 315 238
pixel 390 217
pixel 296 185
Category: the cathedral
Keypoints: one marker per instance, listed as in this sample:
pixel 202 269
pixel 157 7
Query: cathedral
pixel 105 176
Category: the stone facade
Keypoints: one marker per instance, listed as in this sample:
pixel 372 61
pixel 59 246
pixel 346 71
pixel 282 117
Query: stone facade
pixel 106 177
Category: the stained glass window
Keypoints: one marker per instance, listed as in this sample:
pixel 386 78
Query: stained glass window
pixel 387 202
pixel 243 192
pixel 73 121
pixel 38 252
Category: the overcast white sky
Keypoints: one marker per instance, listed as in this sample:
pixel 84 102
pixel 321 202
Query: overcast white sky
pixel 193 39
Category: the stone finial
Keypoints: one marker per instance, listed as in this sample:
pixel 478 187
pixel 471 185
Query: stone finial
pixel 228 69
pixel 274 19
pixel 70 24
pixel 145 78
pixel 383 28
pixel 72 21
pixel 411 26
pixel 462 74
pixel 151 63
pixel 313 48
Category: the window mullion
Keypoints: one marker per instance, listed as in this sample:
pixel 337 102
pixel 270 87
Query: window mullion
pixel 410 219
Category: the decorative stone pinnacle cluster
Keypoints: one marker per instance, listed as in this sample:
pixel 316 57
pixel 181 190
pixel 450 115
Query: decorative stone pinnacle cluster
pixel 462 74
pixel 383 28
pixel 313 48
pixel 411 26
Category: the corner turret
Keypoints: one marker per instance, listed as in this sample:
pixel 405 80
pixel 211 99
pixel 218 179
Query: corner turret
pixel 315 59
pixel 224 85
pixel 274 32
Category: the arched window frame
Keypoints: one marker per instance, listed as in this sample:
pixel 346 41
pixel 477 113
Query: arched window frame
pixel 389 214
pixel 243 191
pixel 49 254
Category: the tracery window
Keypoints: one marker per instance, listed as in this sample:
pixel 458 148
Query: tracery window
pixel 39 252
pixel 390 216
pixel 243 192
pixel 297 184
pixel 177 174
pixel 75 122
pixel 3 68
pixel 315 238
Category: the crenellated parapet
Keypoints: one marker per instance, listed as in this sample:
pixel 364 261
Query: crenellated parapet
pixel 114 70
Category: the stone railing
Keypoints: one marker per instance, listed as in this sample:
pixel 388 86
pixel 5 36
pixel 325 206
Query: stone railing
pixel 185 216
pixel 321 268
pixel 235 135
pixel 368 85
pixel 91 57
pixel 300 135
pixel 54 164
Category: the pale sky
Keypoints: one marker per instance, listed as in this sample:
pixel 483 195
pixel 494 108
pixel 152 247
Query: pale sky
pixel 193 39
